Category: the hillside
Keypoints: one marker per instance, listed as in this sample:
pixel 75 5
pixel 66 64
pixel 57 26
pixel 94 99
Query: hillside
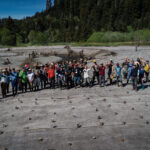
pixel 75 20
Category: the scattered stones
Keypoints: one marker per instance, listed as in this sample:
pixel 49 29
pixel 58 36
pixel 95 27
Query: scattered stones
pixel 30 118
pixel 97 110
pixel 70 102
pixel 70 144
pixel 124 102
pixel 109 105
pixel 79 125
pixel 53 120
pixel 101 123
pixel 99 117
pixel 40 139
pixel 74 116
pixel 94 137
pixel 5 125
pixel 1 132
pixel 104 99
pixel 73 108
pixel 36 103
pixel 17 108
pixel 124 123
pixel 116 113
pixel 147 122
pixel 54 126
pixel 141 117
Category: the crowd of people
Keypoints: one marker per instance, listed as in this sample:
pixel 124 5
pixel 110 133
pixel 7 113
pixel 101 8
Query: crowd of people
pixel 74 74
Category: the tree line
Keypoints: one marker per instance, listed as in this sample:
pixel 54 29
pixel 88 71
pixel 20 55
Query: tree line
pixel 75 20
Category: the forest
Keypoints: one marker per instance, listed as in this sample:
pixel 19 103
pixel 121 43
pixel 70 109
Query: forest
pixel 79 21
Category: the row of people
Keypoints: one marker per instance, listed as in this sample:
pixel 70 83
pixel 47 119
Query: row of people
pixel 70 74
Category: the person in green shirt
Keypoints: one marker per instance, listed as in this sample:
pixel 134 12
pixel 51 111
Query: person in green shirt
pixel 23 77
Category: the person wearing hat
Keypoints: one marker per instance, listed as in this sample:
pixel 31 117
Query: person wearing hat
pixel 147 69
pixel 95 69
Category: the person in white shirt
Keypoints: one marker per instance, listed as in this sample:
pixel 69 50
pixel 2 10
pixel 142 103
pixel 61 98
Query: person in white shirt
pixel 86 76
pixel 30 77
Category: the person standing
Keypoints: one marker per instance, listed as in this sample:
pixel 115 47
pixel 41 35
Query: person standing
pixel 147 69
pixel 23 77
pixel 51 76
pixel 95 68
pixel 30 77
pixel 141 76
pixel 102 75
pixel 118 73
pixel 134 73
pixel 86 76
pixel 14 81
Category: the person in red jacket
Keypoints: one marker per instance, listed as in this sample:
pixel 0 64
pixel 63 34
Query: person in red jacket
pixel 51 76
pixel 102 75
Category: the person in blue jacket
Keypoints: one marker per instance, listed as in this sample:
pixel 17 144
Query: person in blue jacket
pixel 14 81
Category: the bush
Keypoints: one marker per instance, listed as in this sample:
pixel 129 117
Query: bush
pixel 109 36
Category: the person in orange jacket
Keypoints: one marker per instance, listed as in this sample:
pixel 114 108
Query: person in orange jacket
pixel 51 76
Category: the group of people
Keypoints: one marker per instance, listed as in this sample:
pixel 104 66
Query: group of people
pixel 73 74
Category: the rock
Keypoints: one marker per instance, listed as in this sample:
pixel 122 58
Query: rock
pixel 1 132
pixel 68 97
pixel 5 125
pixel 70 102
pixel 30 118
pixel 99 117
pixel 40 139
pixel 55 113
pixel 141 117
pixel 53 120
pixel 127 92
pixel 132 108
pixel 54 126
pixel 116 113
pixel 147 122
pixel 104 99
pixel 36 103
pixel 124 102
pixel 17 107
pixel 146 104
pixel 73 108
pixel 101 123
pixel 74 116
pixel 12 115
pixel 109 105
pixel 94 137
pixel 36 99
pixel 124 123
pixel 96 109
pixel 79 125
pixel 70 144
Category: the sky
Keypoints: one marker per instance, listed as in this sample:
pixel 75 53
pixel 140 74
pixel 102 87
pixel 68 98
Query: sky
pixel 19 9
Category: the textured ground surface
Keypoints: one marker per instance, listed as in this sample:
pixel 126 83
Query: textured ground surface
pixel 109 118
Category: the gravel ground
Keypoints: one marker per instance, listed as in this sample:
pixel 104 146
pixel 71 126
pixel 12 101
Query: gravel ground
pixel 108 118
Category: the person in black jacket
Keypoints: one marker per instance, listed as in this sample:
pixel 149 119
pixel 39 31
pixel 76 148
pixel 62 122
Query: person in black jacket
pixel 134 74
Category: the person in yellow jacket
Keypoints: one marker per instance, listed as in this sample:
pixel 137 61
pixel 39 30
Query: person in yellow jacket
pixel 147 68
